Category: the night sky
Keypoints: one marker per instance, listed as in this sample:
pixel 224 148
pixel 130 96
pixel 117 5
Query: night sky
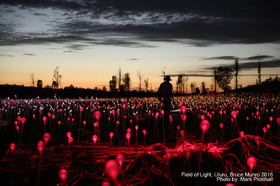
pixel 90 39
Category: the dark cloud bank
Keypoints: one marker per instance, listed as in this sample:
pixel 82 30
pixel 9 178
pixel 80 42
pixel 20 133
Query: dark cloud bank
pixel 205 22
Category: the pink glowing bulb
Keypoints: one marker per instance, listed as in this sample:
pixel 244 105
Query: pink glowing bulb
pixel 204 125
pixel 230 184
pixel 144 132
pixel 264 129
pixel 16 122
pixel 113 112
pixel 233 114
pixel 130 121
pixel 46 137
pixel 268 126
pixel 251 162
pixel 40 146
pixel 12 146
pixel 257 140
pixel 73 119
pixel 111 134
pixel 162 112
pixel 270 118
pixel 68 134
pixel 117 122
pixel 105 183
pixel 242 134
pixel 225 111
pixel 23 120
pixel 81 109
pixel 120 159
pixel 170 118
pixel 128 135
pixel 70 140
pixel 221 112
pixel 49 114
pixel 95 124
pixel 221 125
pixel 124 116
pixel 112 169
pixel 278 120
pixel 109 118
pixel 97 115
pixel 59 122
pixel 178 127
pixel 182 133
pixel 257 113
pixel 202 117
pixel 44 118
pixel 63 174
pixel 128 130
pixel 19 118
pixel 247 118
pixel 53 116
pixel 94 138
pixel 123 106
pixel 136 127
pixel 156 116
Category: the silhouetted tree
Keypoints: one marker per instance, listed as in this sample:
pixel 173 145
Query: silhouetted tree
pixel 56 78
pixel 113 84
pixel 203 89
pixel 40 83
pixel 224 76
pixel 146 81
pixel 179 84
pixel 197 91
pixel 140 79
pixel 54 84
pixel 32 77
pixel 104 89
pixel 70 87
pixel 184 80
pixel 127 82
pixel 193 84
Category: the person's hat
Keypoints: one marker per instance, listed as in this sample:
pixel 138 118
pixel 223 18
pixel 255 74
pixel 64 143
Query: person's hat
pixel 167 78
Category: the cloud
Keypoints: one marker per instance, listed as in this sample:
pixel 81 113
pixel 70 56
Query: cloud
pixel 259 57
pixel 192 75
pixel 6 55
pixel 252 65
pixel 28 54
pixel 221 58
pixel 199 23
pixel 133 59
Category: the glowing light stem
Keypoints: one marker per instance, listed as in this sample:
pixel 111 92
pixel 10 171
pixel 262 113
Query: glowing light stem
pixel 237 126
pixel 99 136
pixel 11 173
pixel 79 127
pixel 156 124
pixel 136 141
pixel 39 169
pixel 163 131
pixel 200 155
pixel 44 126
pixel 128 142
pixel 83 136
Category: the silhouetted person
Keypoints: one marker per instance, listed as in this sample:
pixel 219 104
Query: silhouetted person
pixel 165 96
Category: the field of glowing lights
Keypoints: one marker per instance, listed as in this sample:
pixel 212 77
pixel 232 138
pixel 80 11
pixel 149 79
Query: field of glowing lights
pixel 226 140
